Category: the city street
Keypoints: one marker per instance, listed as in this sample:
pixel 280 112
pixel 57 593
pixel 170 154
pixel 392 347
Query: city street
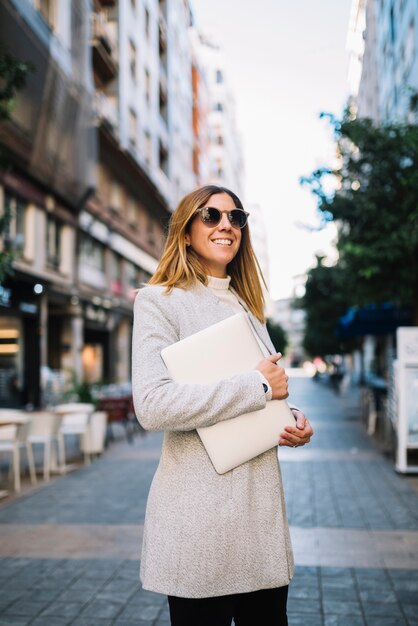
pixel 70 550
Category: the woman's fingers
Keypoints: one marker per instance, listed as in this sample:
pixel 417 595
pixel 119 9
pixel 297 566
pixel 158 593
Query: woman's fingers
pixel 276 376
pixel 295 436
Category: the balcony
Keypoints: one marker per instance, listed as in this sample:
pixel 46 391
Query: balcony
pixel 104 46
pixel 107 112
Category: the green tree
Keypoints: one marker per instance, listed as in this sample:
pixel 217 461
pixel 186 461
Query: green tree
pixel 13 73
pixel 375 208
pixel 277 335
pixel 325 301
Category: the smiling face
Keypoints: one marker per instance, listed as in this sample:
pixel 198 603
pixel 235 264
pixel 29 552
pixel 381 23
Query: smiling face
pixel 215 246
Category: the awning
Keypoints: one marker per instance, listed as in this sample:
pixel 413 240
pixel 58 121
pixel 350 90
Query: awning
pixel 373 319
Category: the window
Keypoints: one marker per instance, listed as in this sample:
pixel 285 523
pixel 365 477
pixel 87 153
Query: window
pixel 14 231
pixel 116 274
pixel 91 253
pixel 150 230
pixel 219 77
pixel 218 106
pixel 163 105
pixel 220 140
pixel 132 60
pixel 133 128
pixel 133 5
pixel 147 87
pixel 409 47
pixel 53 242
pixel 148 147
pixel 392 25
pixel 163 159
pixel 47 9
pixel 147 23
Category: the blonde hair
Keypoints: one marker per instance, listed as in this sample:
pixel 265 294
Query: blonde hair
pixel 181 267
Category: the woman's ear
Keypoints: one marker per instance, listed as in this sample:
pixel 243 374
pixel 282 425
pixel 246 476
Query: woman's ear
pixel 187 240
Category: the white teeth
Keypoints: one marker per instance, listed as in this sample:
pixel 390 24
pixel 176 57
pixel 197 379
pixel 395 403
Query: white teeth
pixel 222 242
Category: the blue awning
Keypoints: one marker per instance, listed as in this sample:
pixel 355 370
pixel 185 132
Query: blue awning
pixel 373 319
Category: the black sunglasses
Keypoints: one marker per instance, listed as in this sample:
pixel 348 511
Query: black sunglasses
pixel 212 216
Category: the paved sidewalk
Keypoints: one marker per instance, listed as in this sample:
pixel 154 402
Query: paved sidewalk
pixel 69 551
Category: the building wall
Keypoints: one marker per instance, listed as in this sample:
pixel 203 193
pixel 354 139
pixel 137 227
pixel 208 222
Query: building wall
pixel 154 91
pixel 225 152
pixel 388 57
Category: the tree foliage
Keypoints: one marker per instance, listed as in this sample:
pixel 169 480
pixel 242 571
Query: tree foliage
pixel 277 335
pixel 13 73
pixel 325 301
pixel 375 207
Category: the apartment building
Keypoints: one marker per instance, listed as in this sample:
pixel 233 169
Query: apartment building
pixel 383 39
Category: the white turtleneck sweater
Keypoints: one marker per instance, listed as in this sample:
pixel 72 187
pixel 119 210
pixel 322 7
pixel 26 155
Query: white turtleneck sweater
pixel 220 287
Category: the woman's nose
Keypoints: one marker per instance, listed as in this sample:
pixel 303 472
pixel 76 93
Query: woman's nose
pixel 224 223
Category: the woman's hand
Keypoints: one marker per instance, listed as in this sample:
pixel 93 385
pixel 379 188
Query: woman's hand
pixel 298 435
pixel 275 375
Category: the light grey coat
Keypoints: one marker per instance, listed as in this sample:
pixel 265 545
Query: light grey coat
pixel 205 534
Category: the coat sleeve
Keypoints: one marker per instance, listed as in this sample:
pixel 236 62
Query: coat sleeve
pixel 162 404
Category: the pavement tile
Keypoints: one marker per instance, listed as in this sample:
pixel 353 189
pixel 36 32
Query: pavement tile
pixel 101 609
pixel 385 621
pixel 51 621
pixel 410 611
pixel 387 609
pixel 305 619
pixel 340 594
pixel 63 609
pixel 137 612
pixel 75 595
pixel 21 607
pixel 377 595
pixel 341 620
pixel 295 606
pixel 346 607
pixel 92 621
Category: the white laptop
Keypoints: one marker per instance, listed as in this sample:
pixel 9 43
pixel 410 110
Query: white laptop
pixel 220 351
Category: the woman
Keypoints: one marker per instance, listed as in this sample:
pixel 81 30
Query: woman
pixel 217 545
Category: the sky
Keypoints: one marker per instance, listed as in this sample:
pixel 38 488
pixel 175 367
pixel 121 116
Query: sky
pixel 285 62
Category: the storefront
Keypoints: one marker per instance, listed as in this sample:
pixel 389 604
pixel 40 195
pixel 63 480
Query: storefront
pixel 19 343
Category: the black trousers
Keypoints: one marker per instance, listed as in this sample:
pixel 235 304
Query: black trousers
pixel 267 607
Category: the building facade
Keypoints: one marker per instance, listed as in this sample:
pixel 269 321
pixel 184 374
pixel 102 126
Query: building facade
pixel 99 147
pixel 226 165
pixel 383 39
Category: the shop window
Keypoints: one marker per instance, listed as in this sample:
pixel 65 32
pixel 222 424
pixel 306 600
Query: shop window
pixel 14 233
pixel 53 242
pixel 10 362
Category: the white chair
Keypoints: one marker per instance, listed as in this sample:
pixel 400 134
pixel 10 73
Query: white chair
pixel 44 429
pixel 75 421
pixel 74 407
pixel 93 440
pixel 12 439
